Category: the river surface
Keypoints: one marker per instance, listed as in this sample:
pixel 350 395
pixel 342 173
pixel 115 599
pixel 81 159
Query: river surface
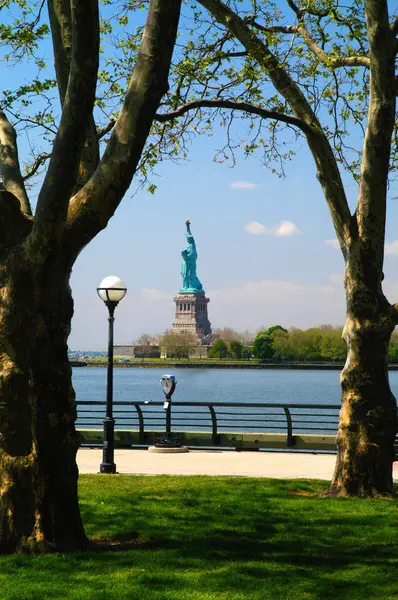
pixel 210 385
pixel 215 385
pixel 247 386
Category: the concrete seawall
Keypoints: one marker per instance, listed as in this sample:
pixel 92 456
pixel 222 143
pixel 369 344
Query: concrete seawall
pixel 224 365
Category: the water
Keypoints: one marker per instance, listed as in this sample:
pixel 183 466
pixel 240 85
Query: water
pixel 215 386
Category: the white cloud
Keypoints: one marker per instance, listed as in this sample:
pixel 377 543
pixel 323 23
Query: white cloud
pixel 333 244
pixel 255 228
pixel 247 306
pixel 391 248
pixel 269 302
pixel 283 229
pixel 243 185
pixel 153 294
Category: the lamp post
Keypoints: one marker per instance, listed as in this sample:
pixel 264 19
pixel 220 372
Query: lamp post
pixel 111 290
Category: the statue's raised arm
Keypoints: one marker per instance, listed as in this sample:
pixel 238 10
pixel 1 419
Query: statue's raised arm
pixel 190 281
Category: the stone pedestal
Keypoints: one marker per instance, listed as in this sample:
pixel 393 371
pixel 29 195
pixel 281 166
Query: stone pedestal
pixel 191 314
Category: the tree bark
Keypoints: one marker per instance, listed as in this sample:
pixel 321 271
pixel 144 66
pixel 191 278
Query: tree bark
pixel 54 419
pixel 38 474
pixel 367 425
pixel 18 460
pixel 39 508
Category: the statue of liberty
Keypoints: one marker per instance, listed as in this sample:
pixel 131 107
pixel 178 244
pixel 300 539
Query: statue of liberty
pixel 190 281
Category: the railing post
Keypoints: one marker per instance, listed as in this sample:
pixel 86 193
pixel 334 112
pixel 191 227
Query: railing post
pixel 290 439
pixel 141 434
pixel 213 423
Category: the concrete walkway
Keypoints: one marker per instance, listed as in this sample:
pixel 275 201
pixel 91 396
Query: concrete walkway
pixel 279 465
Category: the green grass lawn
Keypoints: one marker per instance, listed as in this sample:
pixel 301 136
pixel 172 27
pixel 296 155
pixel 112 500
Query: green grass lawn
pixel 218 539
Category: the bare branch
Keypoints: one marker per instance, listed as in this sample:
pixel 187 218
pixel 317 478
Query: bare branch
pixel 324 57
pixel 394 27
pixel 108 127
pixel 288 29
pixel 36 165
pixel 309 10
pixel 233 54
pixel 9 164
pixel 229 104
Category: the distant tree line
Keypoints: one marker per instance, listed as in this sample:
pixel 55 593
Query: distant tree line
pixel 316 344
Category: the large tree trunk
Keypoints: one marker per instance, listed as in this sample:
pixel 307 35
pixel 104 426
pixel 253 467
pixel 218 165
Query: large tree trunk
pixel 368 415
pixel 38 443
pixel 54 418
pixel 18 459
pixel 39 508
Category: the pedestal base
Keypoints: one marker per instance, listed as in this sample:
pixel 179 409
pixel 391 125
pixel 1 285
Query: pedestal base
pixel 191 315
pixel 167 449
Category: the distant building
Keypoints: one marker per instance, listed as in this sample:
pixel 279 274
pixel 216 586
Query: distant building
pixel 147 351
pixel 120 351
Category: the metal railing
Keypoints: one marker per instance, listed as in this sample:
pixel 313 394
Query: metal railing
pixel 214 418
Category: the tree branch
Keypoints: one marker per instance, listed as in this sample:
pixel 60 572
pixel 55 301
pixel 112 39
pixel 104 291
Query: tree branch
pixel 309 10
pixel 108 127
pixel 229 104
pixel 41 158
pixel 9 164
pixel 14 224
pixel 333 62
pixel 327 169
pixel 36 165
pixel 371 205
pixel 394 27
pixel 60 179
pixel 94 205
pixel 61 31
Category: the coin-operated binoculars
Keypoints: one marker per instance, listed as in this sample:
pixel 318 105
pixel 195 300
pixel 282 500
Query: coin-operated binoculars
pixel 168 384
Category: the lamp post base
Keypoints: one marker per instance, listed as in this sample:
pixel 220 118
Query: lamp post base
pixel 108 468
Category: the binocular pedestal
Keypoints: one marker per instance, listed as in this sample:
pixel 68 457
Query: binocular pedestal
pixel 167 445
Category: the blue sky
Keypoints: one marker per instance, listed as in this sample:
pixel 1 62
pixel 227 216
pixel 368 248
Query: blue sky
pixel 252 279
pixel 266 247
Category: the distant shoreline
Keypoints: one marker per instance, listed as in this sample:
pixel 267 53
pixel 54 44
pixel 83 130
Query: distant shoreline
pixel 220 365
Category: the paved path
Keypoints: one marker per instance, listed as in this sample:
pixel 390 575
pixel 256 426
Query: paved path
pixel 200 462
pixel 280 465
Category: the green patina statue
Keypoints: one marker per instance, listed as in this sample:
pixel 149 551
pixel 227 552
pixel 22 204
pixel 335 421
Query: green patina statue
pixel 190 281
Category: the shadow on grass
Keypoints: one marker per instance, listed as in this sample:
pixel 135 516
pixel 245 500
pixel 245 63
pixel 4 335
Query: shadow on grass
pixel 253 534
pixel 223 538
